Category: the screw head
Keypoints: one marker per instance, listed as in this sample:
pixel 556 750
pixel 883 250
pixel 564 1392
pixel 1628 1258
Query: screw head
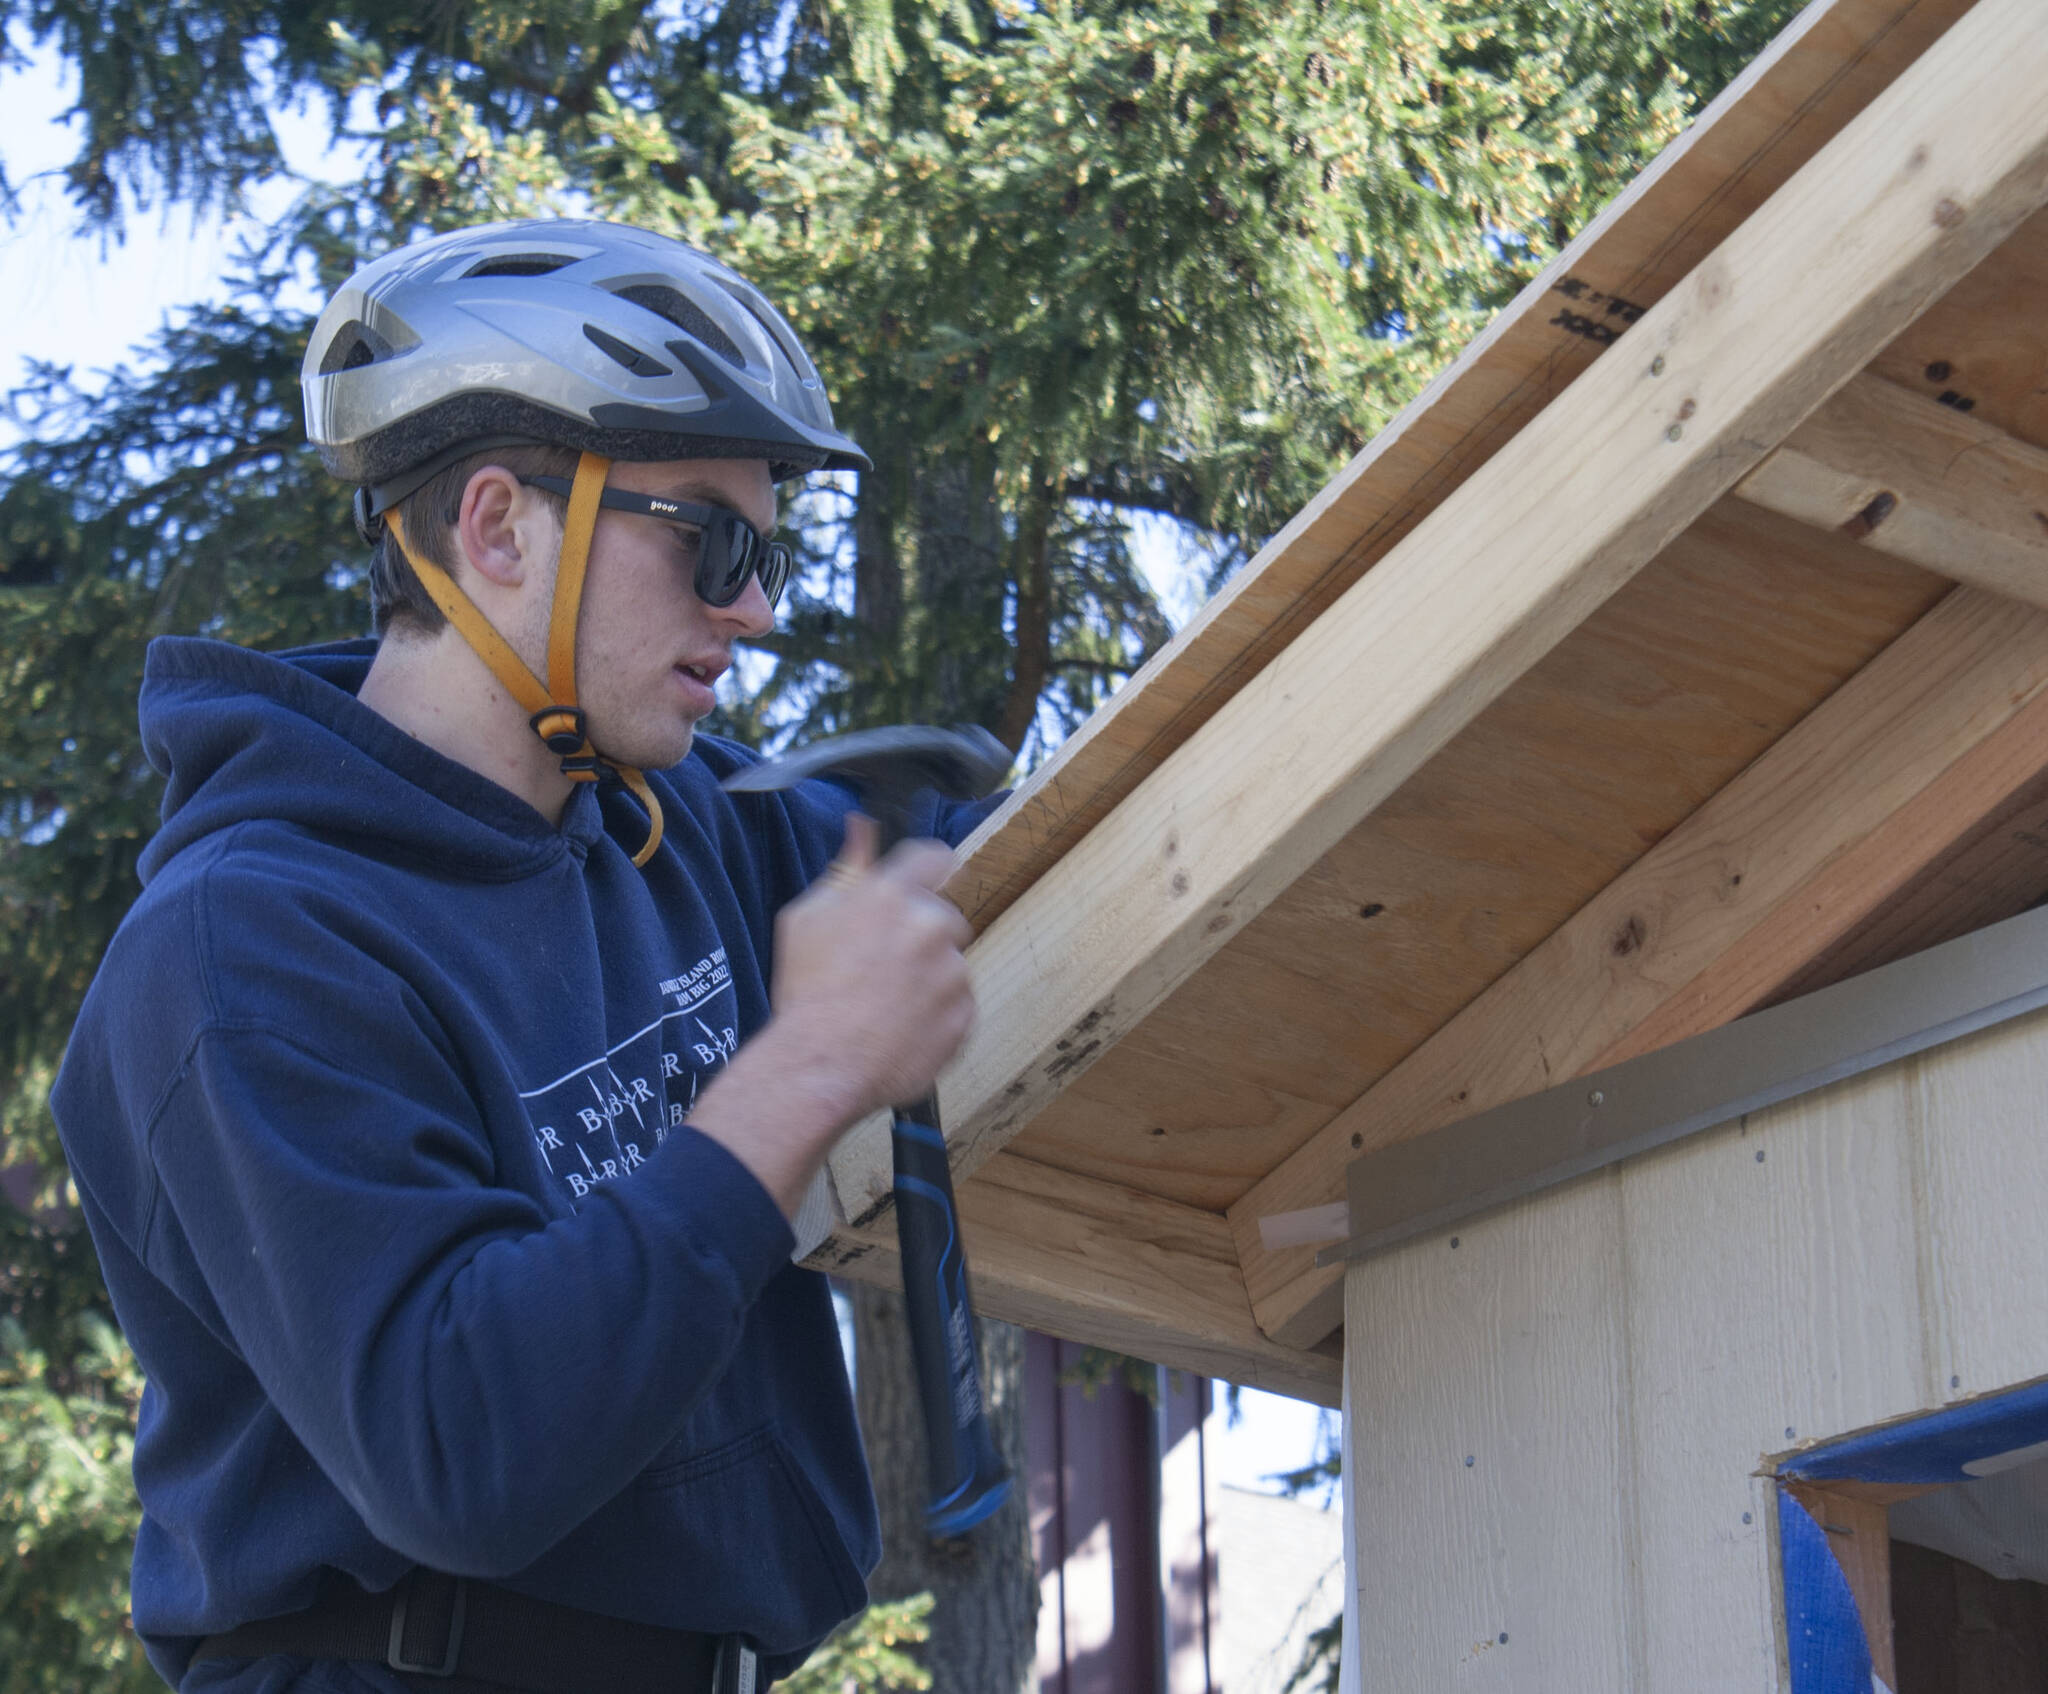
pixel 1759 1155
pixel 1746 1518
pixel 1596 1098
pixel 1657 365
pixel 1955 1382
pixel 1469 1460
pixel 1674 432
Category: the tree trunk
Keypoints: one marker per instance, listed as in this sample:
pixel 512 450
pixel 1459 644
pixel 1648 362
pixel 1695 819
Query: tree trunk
pixel 985 1591
pixel 957 646
pixel 877 560
pixel 1033 576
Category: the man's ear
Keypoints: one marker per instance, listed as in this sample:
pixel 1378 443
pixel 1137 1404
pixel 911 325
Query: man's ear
pixel 499 528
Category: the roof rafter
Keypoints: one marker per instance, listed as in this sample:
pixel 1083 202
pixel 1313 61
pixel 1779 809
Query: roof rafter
pixel 1826 66
pixel 1908 476
pixel 1906 199
pixel 1097 1262
pixel 1877 783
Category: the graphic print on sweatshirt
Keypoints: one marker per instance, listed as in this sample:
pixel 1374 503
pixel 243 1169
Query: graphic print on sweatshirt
pixel 601 1121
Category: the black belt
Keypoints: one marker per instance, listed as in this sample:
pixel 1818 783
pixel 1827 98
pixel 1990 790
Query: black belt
pixel 447 1635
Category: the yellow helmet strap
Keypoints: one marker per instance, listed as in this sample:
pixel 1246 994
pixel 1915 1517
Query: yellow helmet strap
pixel 551 708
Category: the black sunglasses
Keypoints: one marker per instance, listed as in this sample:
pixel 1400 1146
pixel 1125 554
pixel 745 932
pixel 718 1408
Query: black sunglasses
pixel 731 549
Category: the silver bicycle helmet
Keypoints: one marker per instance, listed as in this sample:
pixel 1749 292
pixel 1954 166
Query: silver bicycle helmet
pixel 587 335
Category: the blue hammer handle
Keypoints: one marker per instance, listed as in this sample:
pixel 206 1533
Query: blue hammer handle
pixel 968 1479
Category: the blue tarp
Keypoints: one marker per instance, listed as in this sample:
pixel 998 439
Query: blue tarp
pixel 1978 1439
pixel 1823 1628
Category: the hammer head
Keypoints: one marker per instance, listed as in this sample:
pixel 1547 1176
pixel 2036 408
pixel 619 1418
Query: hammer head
pixel 888 767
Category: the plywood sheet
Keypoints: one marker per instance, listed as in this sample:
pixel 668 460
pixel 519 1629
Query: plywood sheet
pixel 1799 844
pixel 1659 699
pixel 1743 625
pixel 1834 59
pixel 1996 870
pixel 1665 694
pixel 1984 346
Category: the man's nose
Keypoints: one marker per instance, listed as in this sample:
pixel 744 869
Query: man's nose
pixel 750 614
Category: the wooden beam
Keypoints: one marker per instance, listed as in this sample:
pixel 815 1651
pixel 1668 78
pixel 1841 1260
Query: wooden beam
pixel 1826 65
pixel 1093 1262
pixel 1906 475
pixel 1879 780
pixel 1996 870
pixel 1906 199
pixel 1778 956
pixel 1859 1535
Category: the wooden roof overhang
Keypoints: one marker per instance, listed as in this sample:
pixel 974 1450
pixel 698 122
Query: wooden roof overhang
pixel 1676 651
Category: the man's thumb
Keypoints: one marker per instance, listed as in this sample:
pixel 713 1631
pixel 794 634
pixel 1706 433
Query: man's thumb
pixel 857 854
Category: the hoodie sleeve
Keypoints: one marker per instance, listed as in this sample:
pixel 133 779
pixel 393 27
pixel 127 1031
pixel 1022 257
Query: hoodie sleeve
pixel 475 1377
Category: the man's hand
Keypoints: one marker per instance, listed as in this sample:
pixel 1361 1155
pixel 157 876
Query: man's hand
pixel 871 999
pixel 868 965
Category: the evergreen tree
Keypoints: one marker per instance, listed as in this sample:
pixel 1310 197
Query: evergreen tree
pixel 1061 263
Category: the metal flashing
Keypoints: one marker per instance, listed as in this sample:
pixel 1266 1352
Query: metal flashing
pixel 1527 1145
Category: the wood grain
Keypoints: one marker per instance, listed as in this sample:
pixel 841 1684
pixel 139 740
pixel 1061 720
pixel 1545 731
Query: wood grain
pixel 1859 1533
pixel 1995 869
pixel 1851 914
pixel 1089 1261
pixel 1908 476
pixel 1983 346
pixel 1908 197
pixel 1728 873
pixel 1668 692
pixel 1811 81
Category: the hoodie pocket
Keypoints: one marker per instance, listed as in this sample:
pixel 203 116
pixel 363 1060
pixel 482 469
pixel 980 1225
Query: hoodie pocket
pixel 790 1566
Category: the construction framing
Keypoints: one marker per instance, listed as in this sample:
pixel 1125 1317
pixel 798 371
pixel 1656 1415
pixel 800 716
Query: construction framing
pixel 1710 433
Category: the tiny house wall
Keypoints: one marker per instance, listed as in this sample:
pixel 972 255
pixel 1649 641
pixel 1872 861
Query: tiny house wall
pixel 1564 1415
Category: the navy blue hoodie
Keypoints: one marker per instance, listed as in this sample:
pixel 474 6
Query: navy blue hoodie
pixel 379 1110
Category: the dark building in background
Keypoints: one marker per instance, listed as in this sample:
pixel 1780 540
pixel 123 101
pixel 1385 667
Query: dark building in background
pixel 1121 1522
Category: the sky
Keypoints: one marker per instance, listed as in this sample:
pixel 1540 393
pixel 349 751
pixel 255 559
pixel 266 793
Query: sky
pixel 87 302
pixel 83 300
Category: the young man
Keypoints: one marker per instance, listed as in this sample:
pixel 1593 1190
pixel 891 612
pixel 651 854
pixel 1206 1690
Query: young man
pixel 436 1112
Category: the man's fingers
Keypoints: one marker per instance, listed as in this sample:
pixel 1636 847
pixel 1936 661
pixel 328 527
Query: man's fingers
pixel 857 851
pixel 927 864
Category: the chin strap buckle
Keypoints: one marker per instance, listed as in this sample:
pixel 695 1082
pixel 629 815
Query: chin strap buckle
pixel 561 732
pixel 561 729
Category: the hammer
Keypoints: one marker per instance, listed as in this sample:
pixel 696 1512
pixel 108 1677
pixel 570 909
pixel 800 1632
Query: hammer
pixel 888 768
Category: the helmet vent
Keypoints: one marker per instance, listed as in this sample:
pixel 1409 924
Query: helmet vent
pixel 519 264
pixel 639 363
pixel 777 333
pixel 354 346
pixel 676 307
